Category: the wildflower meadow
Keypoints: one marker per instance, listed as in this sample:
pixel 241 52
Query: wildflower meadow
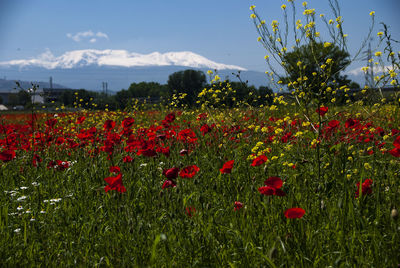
pixel 311 178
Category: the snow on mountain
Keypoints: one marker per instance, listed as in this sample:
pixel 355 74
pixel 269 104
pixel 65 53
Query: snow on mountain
pixel 120 58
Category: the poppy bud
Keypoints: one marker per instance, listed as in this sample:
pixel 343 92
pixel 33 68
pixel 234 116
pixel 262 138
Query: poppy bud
pixel 394 214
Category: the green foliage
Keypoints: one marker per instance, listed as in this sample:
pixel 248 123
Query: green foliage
pixel 189 82
pixel 315 67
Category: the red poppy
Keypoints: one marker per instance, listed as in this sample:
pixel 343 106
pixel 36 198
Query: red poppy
pixel 36 159
pixel 128 122
pixel 294 213
pixel 58 164
pixel 227 167
pixel 168 184
pixel 350 123
pixel 147 152
pixel 80 120
pixel 169 118
pixel 127 159
pixel 189 172
pixel 333 123
pixel 7 155
pixel 205 129
pixel 396 142
pixel 171 173
pixel 51 122
pixel 190 211
pixel 259 160
pixel 201 116
pixel 365 188
pixel 266 190
pixel 115 183
pixel 274 182
pixel 238 205
pixel 115 169
pixel 108 125
pixel 322 110
pixel 395 152
pixel 273 187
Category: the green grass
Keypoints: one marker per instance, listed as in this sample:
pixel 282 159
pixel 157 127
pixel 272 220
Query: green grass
pixel 148 226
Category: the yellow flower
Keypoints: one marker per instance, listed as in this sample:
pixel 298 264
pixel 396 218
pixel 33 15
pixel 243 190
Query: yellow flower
pixel 304 3
pixel 378 54
pixel 253 16
pixel 327 44
pixel 252 7
pixel 372 13
pixel 283 6
pixel 380 33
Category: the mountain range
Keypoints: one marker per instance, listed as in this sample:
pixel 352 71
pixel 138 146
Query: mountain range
pixel 89 68
pixel 119 68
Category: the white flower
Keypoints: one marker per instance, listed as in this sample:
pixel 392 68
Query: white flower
pixel 35 183
pixel 22 198
pixel 20 208
pixel 17 230
pixel 23 187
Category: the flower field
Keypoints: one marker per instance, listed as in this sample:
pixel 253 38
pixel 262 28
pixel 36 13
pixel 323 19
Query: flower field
pixel 225 187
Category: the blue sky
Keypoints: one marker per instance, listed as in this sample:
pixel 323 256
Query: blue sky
pixel 220 30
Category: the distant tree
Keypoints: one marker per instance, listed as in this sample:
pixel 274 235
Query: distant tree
pixel 147 89
pixel 189 81
pixel 1 100
pixel 306 61
pixel 24 97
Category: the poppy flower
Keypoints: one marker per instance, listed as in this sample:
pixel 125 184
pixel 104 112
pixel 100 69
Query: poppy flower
pixel 168 184
pixel 395 152
pixel 272 187
pixel 127 159
pixel 80 120
pixel 36 159
pixel 266 190
pixel 115 183
pixel 238 205
pixel 366 187
pixel 115 169
pixel 322 110
pixel 227 167
pixel 294 213
pixel 171 173
pixel 7 155
pixel 190 211
pixel 274 182
pixel 108 125
pixel 51 122
pixel 58 164
pixel 396 142
pixel 169 118
pixel 189 172
pixel 128 122
pixel 259 160
pixel 205 129
pixel 333 123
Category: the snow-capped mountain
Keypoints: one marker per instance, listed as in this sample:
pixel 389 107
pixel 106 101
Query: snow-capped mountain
pixel 117 58
pixel 119 68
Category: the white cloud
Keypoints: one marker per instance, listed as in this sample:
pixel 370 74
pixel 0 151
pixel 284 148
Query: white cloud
pixel 87 36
